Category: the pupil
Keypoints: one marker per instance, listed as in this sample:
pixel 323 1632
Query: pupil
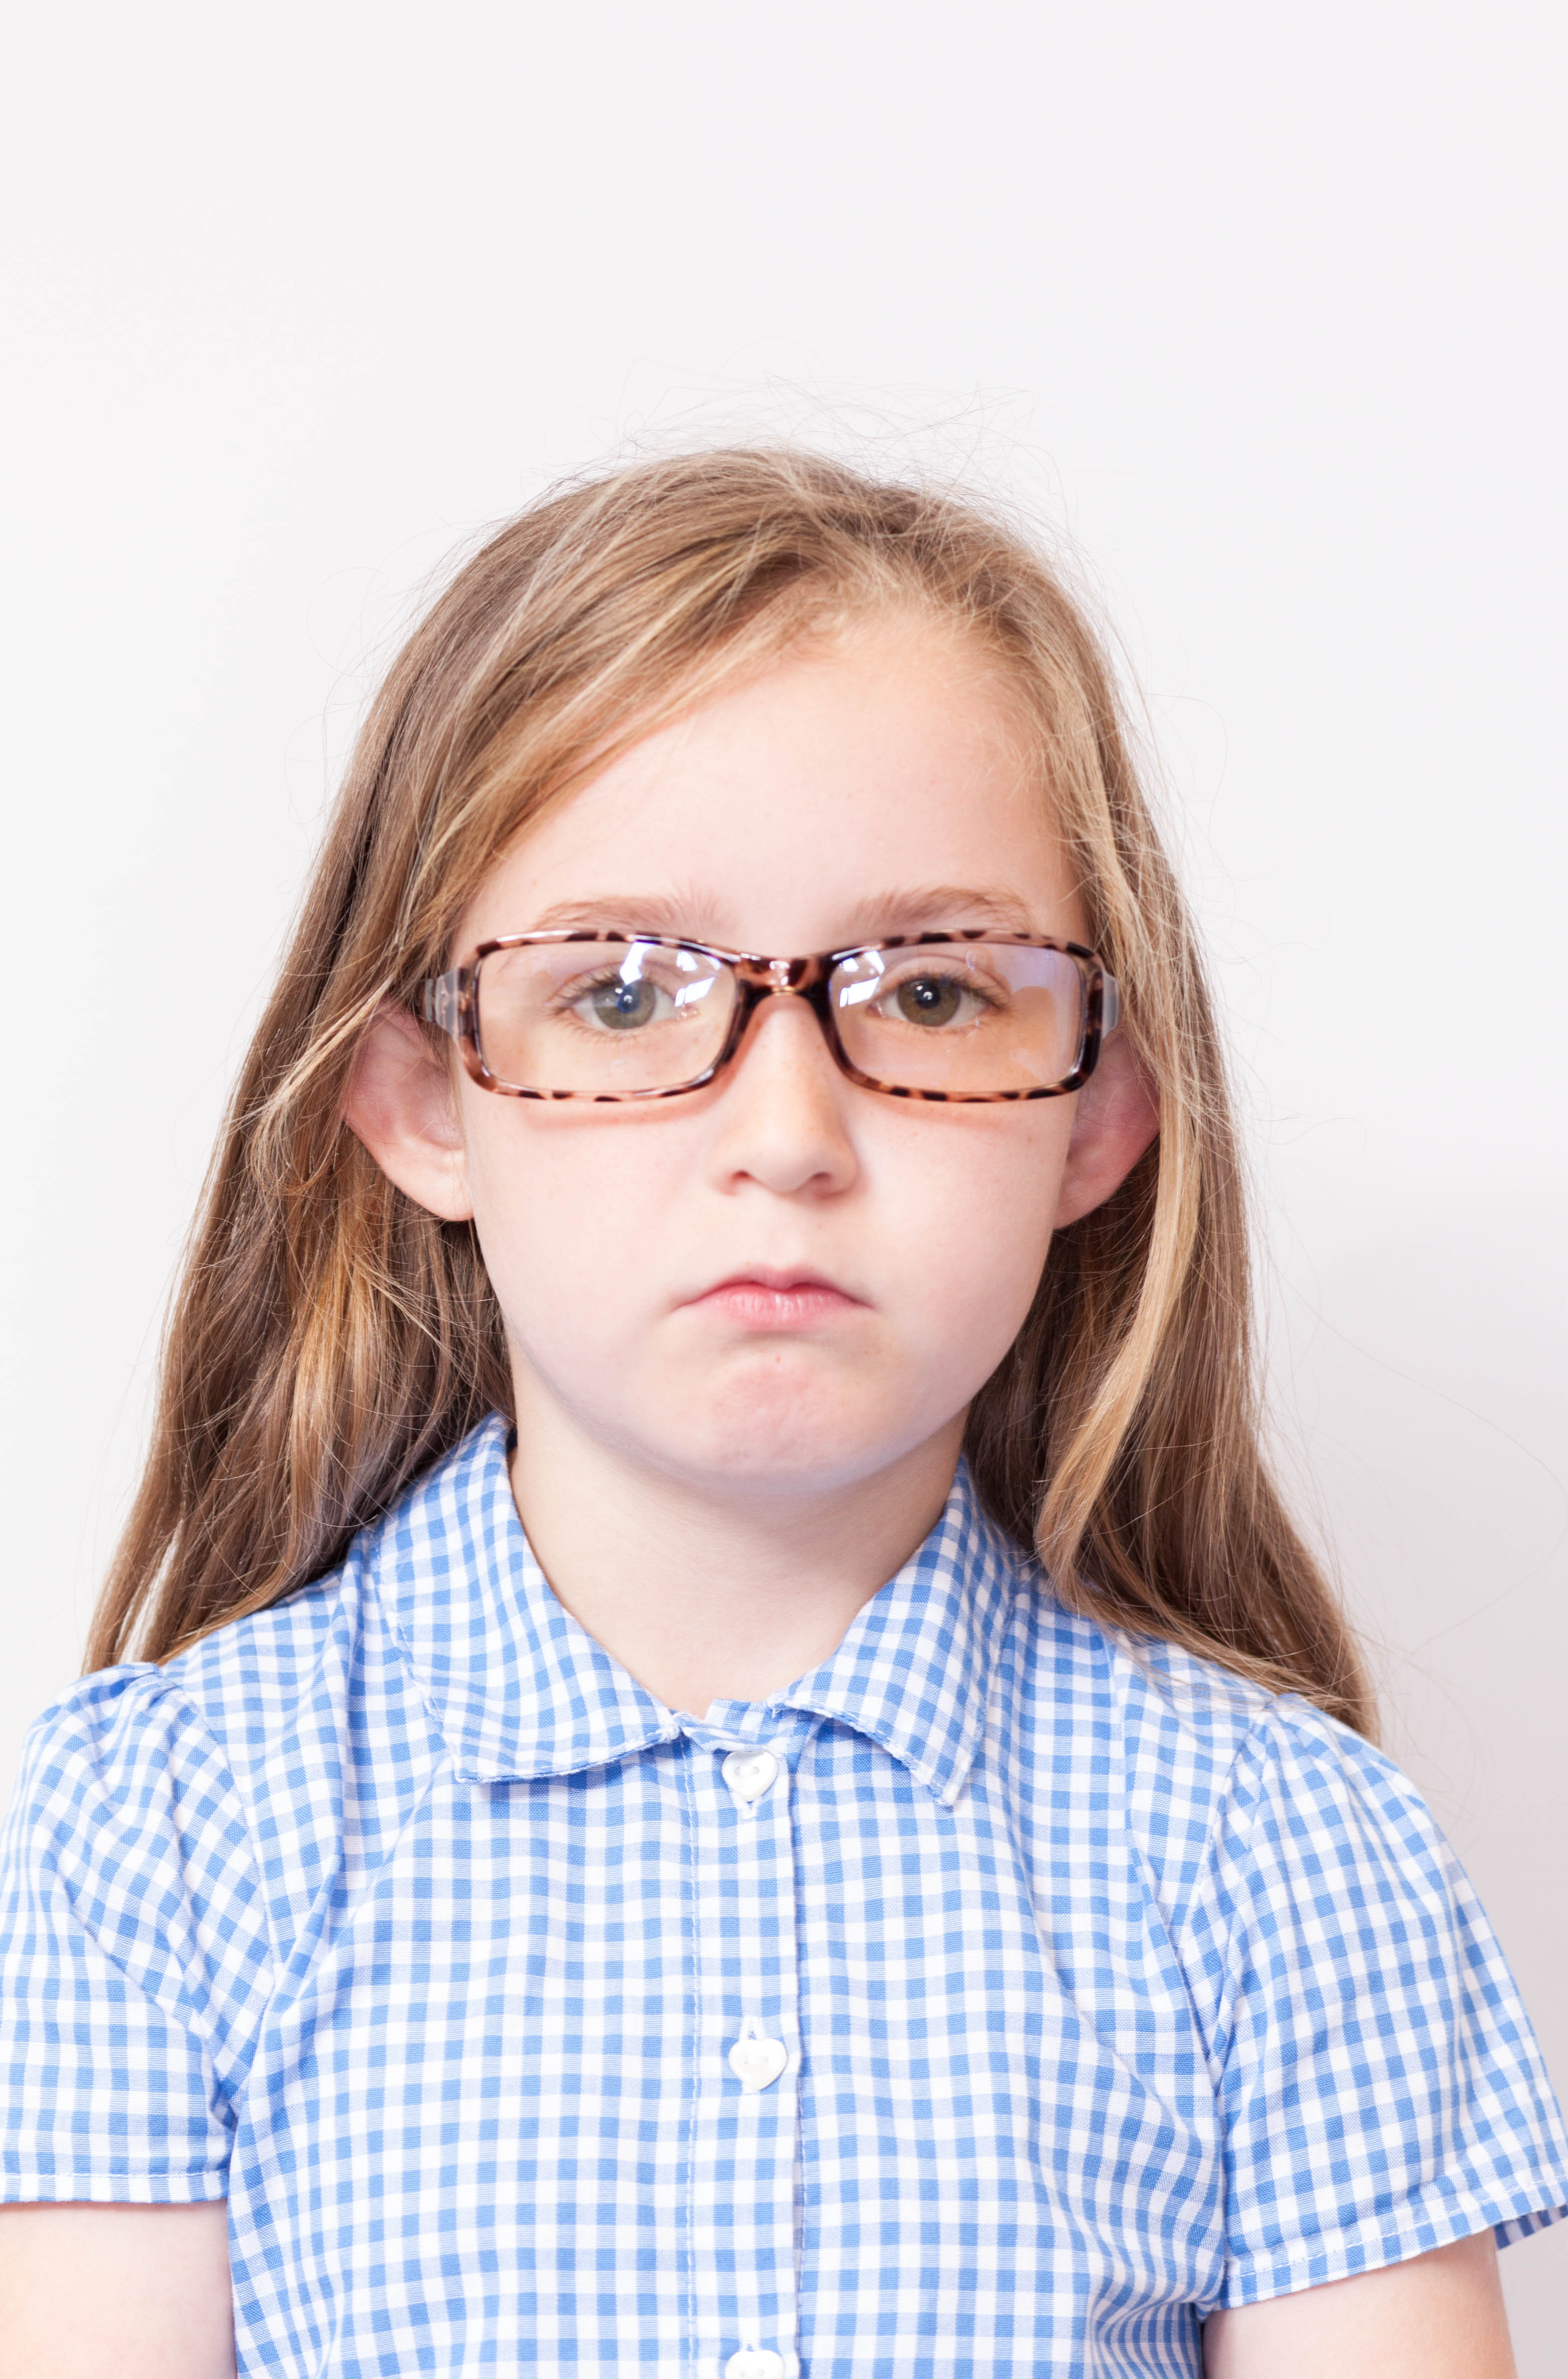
pixel 624 1003
pixel 929 999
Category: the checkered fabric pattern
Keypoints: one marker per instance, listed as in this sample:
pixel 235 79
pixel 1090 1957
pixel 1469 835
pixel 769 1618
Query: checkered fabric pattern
pixel 1073 1988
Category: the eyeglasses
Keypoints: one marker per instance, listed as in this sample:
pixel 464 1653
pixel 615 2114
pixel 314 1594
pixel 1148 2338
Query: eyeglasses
pixel 964 1016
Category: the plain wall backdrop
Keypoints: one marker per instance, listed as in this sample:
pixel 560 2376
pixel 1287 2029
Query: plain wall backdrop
pixel 1261 308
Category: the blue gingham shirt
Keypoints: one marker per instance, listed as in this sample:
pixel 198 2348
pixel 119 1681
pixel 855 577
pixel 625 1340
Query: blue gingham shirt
pixel 1000 1997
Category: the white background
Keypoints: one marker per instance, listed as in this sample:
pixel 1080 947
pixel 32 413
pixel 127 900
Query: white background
pixel 1261 308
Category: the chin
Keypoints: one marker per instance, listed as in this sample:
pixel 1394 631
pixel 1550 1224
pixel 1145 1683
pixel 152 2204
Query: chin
pixel 789 1442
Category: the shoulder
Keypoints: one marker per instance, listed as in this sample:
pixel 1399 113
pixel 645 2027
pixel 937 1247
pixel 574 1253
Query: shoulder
pixel 115 1739
pixel 193 1733
pixel 1157 1708
pixel 274 1712
pixel 230 1691
pixel 256 1678
pixel 160 1805
pixel 1187 1752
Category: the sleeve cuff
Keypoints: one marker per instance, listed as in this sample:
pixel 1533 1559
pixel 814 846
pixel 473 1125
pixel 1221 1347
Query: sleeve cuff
pixel 110 2185
pixel 1434 2219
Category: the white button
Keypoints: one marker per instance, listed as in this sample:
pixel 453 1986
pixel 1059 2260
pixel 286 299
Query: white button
pixel 755 2059
pixel 748 1775
pixel 755 2362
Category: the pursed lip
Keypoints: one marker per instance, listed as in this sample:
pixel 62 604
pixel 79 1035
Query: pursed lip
pixel 779 1291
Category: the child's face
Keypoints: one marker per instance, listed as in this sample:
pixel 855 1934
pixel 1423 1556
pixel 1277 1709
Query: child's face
pixel 643 1255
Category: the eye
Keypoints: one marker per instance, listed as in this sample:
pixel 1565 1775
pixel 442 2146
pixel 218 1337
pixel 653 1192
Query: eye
pixel 614 1004
pixel 933 997
pixel 929 998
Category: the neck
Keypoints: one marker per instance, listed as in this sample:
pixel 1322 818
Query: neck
pixel 708 1593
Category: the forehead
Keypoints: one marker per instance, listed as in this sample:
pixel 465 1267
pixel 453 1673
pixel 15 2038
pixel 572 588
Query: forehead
pixel 801 807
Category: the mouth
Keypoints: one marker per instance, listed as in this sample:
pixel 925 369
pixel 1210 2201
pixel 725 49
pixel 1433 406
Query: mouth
pixel 765 1297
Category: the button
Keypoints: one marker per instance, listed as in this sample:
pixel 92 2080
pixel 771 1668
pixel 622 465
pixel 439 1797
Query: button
pixel 755 2362
pixel 748 1775
pixel 755 2059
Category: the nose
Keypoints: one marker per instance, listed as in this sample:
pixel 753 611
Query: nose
pixel 782 1116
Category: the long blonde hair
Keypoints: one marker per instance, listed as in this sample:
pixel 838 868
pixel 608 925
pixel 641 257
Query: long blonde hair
pixel 329 1338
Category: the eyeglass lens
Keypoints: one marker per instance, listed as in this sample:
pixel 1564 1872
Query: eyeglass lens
pixel 970 1019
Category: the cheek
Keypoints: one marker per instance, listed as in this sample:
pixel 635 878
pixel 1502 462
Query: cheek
pixel 966 1220
pixel 566 1211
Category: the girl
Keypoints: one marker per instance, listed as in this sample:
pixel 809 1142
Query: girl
pixel 709 1749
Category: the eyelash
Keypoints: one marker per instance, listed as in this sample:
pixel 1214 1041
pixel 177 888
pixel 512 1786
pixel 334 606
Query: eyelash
pixel 572 995
pixel 962 976
pixel 584 986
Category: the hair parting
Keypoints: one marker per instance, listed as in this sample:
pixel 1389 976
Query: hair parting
pixel 329 1338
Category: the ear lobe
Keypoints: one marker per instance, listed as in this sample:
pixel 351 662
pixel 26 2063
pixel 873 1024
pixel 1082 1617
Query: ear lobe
pixel 400 1103
pixel 1118 1115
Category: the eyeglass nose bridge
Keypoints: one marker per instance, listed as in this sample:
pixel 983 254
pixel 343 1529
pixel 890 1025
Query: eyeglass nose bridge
pixel 780 978
pixel 760 980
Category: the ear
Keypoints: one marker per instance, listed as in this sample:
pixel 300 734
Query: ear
pixel 1118 1115
pixel 402 1102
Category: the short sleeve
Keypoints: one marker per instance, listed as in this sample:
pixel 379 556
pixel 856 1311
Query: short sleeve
pixel 1381 2090
pixel 133 1956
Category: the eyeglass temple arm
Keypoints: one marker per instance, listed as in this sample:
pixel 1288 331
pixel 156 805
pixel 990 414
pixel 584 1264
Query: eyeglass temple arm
pixel 441 1001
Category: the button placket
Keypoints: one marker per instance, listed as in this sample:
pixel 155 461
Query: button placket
pixel 745 2133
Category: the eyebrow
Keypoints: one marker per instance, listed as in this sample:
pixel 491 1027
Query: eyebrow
pixel 914 911
pixel 909 911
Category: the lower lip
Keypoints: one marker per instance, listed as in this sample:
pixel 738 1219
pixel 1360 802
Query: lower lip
pixel 751 1306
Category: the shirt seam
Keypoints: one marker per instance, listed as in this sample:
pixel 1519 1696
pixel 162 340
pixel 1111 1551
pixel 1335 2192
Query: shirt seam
pixel 165 1687
pixel 1457 2215
pixel 30 2183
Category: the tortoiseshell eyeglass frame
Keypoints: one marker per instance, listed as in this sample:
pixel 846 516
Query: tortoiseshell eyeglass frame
pixel 450 1002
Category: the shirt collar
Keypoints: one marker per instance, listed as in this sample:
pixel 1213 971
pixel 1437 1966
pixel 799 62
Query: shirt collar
pixel 515 1686
pixel 518 1689
pixel 914 1669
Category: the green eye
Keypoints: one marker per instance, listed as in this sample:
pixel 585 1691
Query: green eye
pixel 929 998
pixel 620 1007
